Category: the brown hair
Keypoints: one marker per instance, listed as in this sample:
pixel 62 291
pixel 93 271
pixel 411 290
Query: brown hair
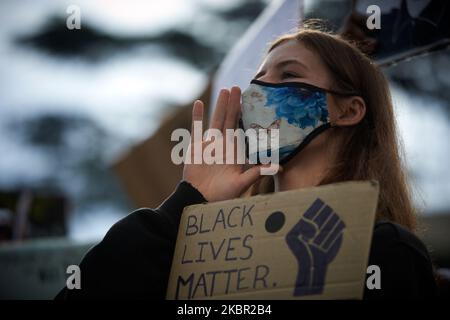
pixel 372 150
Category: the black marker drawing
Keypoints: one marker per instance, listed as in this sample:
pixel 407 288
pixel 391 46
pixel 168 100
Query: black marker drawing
pixel 315 241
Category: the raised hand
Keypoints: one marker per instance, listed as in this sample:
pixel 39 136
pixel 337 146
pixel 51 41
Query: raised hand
pixel 315 241
pixel 220 181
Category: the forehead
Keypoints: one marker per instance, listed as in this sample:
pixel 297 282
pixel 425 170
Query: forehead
pixel 290 49
pixel 295 50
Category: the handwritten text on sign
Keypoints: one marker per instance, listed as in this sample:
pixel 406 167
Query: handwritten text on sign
pixel 233 248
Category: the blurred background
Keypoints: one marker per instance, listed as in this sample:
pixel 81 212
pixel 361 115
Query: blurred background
pixel 78 109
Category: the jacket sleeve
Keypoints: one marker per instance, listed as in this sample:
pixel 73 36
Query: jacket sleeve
pixel 134 258
pixel 405 266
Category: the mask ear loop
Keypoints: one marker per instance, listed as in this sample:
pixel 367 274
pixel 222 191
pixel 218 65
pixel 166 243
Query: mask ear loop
pixel 307 140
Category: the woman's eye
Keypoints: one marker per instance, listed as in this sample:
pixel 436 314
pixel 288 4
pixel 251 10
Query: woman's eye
pixel 289 75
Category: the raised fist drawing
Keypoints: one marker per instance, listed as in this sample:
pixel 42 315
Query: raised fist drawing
pixel 315 241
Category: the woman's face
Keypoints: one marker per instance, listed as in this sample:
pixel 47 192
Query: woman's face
pixel 291 61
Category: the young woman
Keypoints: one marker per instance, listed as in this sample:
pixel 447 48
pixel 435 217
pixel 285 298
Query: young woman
pixel 359 143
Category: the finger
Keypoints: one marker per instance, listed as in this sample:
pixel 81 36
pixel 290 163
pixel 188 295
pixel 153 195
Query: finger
pixel 313 209
pixel 197 119
pixel 323 216
pixel 239 148
pixel 306 229
pixel 249 177
pixel 331 223
pixel 233 110
pixel 221 110
pixel 333 248
pixel 334 235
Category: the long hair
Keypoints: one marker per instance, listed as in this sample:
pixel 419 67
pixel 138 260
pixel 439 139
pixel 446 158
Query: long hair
pixel 369 149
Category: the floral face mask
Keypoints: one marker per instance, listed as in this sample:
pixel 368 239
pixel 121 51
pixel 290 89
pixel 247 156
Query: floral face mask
pixel 298 110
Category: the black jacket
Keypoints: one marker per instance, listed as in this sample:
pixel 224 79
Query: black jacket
pixel 134 258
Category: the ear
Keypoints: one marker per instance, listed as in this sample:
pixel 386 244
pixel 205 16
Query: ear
pixel 351 111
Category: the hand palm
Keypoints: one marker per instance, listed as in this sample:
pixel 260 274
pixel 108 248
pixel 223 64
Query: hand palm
pixel 220 181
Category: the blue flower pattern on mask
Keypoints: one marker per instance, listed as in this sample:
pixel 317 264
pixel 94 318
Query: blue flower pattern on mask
pixel 300 107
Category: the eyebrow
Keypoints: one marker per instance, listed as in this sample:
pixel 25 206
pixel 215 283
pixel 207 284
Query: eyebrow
pixel 282 64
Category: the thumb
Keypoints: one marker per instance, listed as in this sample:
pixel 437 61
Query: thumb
pixel 249 177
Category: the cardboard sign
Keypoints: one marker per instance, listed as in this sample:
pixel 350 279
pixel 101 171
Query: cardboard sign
pixel 309 243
